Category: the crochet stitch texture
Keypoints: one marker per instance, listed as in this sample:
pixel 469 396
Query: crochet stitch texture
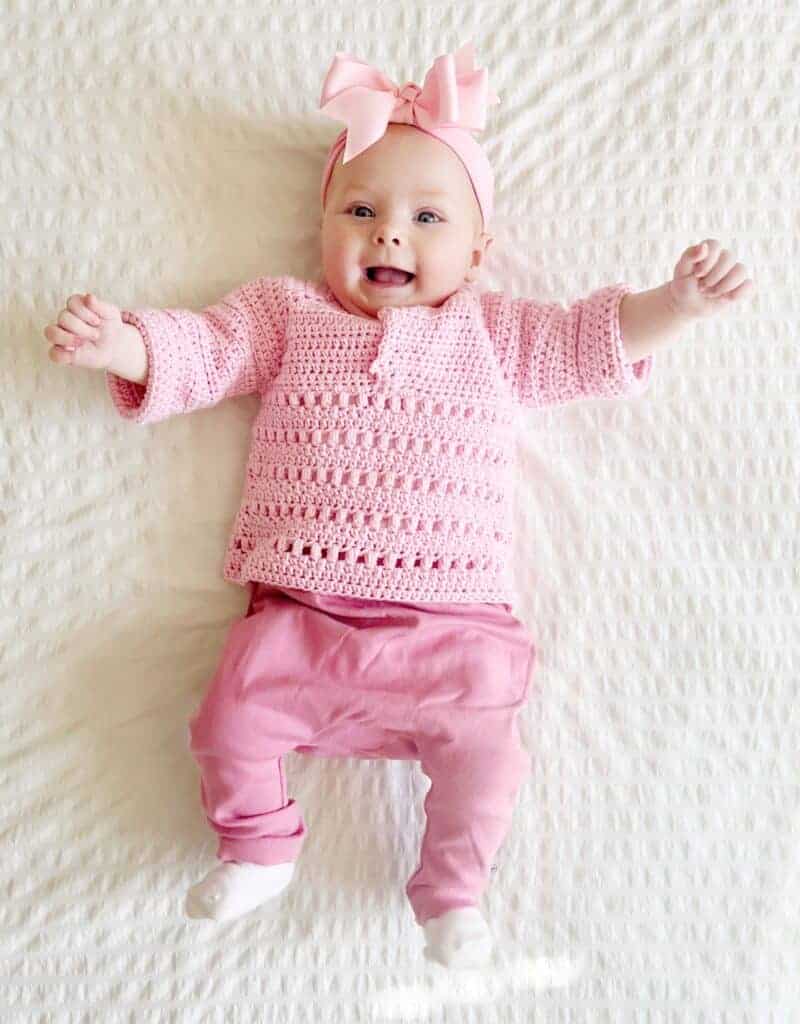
pixel 381 462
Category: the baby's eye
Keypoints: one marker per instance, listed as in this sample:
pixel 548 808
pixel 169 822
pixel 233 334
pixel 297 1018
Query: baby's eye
pixel 361 206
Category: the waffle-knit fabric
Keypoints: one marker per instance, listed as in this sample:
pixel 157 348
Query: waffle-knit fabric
pixel 381 462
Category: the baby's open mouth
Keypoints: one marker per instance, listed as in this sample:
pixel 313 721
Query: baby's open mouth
pixel 388 275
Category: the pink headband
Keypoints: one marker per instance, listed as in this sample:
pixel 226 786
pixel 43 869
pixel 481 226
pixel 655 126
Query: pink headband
pixel 451 104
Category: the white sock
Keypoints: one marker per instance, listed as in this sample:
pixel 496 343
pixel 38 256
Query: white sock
pixel 458 938
pixel 233 888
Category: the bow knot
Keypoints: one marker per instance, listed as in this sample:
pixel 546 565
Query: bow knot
pixel 405 111
pixel 455 94
pixel 410 91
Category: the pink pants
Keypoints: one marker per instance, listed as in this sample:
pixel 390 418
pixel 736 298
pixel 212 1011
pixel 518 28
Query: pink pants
pixel 338 676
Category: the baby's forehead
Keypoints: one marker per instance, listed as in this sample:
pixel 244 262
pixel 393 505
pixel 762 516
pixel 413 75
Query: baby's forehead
pixel 413 186
pixel 410 185
pixel 425 164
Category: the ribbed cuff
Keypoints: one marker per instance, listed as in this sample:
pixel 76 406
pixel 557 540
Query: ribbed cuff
pixel 602 366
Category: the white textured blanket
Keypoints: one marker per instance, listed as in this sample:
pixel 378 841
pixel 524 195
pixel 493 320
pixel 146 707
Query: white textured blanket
pixel 159 154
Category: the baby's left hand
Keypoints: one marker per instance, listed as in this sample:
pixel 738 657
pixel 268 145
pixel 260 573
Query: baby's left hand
pixel 707 280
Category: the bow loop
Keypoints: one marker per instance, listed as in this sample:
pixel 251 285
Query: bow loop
pixel 455 94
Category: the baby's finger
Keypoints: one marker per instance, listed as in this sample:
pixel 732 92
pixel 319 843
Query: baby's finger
pixel 77 305
pixel 60 354
pixel 75 325
pixel 712 253
pixel 731 280
pixel 100 308
pixel 745 288
pixel 63 339
pixel 718 271
pixel 687 264
pixel 80 353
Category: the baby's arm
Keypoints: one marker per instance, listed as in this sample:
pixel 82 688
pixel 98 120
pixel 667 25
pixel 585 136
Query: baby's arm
pixel 195 360
pixel 129 356
pixel 550 354
pixel 602 346
pixel 163 362
pixel 705 280
pixel 649 320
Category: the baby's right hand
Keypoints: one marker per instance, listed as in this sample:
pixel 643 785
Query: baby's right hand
pixel 86 332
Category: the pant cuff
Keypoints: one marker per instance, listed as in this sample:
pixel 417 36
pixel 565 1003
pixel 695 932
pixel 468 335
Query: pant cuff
pixel 436 906
pixel 267 850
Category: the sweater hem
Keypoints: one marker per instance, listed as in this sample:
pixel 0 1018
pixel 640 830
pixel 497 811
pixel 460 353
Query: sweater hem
pixel 366 584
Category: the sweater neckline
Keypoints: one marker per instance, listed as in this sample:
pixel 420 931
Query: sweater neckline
pixel 459 297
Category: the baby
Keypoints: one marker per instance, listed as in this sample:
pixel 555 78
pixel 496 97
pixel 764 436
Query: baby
pixel 374 529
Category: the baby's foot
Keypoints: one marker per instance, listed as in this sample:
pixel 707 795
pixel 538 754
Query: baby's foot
pixel 458 938
pixel 234 888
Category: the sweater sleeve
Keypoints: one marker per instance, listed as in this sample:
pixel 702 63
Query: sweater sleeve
pixel 550 355
pixel 195 360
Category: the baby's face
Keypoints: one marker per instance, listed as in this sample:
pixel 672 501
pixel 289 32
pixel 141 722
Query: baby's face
pixel 406 202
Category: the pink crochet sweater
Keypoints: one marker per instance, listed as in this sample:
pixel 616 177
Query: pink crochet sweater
pixel 381 460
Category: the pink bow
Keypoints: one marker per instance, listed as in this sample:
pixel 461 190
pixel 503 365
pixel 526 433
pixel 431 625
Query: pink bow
pixel 455 94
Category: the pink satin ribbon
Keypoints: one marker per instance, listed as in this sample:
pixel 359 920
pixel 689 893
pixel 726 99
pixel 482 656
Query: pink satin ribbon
pixel 455 94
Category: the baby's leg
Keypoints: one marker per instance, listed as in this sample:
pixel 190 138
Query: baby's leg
pixel 476 763
pixel 247 805
pixel 261 832
pixel 255 711
pixel 243 791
